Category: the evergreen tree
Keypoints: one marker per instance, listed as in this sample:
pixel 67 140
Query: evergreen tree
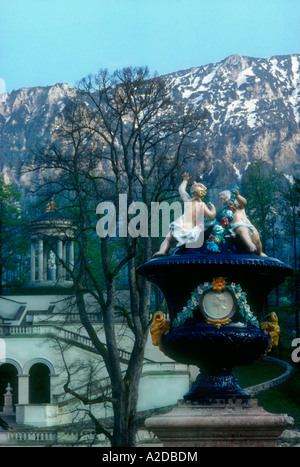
pixel 12 243
pixel 262 190
pixel 290 196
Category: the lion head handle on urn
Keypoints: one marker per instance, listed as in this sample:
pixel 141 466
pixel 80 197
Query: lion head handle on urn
pixel 159 326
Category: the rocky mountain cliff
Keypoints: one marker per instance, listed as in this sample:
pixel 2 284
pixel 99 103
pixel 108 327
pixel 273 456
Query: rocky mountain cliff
pixel 254 104
pixel 255 107
pixel 24 119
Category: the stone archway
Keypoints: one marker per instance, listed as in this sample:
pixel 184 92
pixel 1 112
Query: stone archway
pixel 9 374
pixel 39 384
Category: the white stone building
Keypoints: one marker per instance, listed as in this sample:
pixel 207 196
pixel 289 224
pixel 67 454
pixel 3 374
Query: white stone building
pixel 40 331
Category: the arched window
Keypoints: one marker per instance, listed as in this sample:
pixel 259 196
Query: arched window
pixel 39 384
pixel 8 374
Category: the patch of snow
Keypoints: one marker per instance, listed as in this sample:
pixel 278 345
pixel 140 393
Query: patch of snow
pixel 238 173
pixel 252 116
pixel 290 178
pixel 197 100
pixel 196 82
pixel 274 62
pixel 208 78
pixel 251 120
pixel 251 105
pixel 202 89
pixel 6 176
pixel 278 70
pixel 187 93
pixel 239 110
pixel 231 109
pixel 242 78
pixel 61 105
pixel 241 94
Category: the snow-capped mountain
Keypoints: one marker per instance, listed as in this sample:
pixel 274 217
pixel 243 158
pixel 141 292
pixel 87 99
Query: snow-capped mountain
pixel 255 108
pixel 254 105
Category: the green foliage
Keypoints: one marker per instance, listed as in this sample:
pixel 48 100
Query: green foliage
pixel 273 207
pixel 280 399
pixel 283 398
pixel 262 193
pixel 290 203
pixel 13 245
pixel 257 372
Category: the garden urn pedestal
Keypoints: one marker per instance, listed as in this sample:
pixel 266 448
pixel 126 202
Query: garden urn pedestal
pixel 215 305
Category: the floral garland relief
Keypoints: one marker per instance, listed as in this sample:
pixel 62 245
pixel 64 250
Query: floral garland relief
pixel 218 285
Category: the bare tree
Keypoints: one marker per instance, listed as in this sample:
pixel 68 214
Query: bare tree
pixel 123 135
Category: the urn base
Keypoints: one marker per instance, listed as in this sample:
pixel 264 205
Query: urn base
pixel 222 384
pixel 219 423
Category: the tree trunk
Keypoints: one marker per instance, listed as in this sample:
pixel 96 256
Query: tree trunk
pixel 125 407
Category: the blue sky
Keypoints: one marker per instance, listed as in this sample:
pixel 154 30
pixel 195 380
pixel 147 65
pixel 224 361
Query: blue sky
pixel 43 42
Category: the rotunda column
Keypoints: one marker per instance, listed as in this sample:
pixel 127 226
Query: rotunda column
pixel 45 257
pixel 41 259
pixel 71 255
pixel 60 257
pixel 32 259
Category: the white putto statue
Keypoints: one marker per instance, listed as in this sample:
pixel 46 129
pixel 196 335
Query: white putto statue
pixel 188 227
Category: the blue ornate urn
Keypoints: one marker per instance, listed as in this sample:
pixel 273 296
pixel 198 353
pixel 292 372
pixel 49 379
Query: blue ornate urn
pixel 215 303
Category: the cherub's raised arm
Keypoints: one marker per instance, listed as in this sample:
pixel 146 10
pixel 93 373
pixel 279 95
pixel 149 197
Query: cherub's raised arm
pixel 182 188
pixel 240 200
